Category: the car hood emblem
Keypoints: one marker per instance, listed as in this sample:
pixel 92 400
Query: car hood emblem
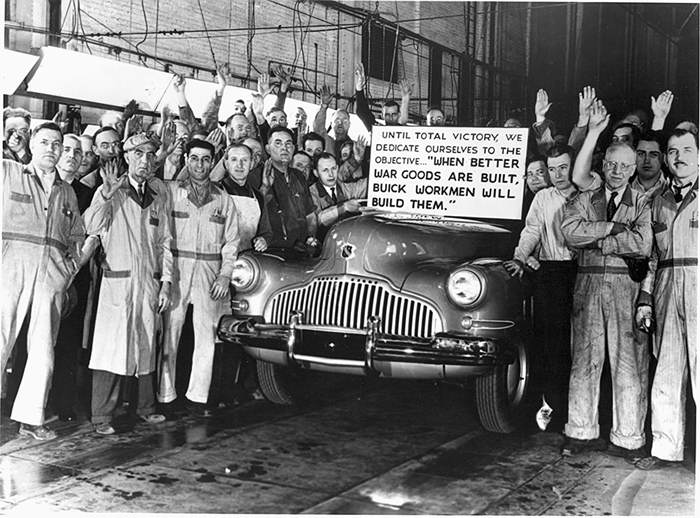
pixel 347 251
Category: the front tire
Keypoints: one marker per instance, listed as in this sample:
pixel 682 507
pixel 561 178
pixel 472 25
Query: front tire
pixel 274 383
pixel 502 394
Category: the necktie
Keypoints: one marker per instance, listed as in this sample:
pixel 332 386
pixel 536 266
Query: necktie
pixel 140 190
pixel 611 205
pixel 333 196
pixel 678 191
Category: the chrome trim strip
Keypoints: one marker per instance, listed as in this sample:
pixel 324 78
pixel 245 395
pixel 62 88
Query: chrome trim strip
pixel 329 361
pixel 331 329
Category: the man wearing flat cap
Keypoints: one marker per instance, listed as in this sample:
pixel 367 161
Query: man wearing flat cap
pixel 131 217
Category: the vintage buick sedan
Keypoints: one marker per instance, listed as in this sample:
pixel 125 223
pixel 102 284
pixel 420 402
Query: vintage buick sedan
pixel 392 296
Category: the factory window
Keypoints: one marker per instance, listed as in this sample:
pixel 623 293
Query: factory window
pixel 379 51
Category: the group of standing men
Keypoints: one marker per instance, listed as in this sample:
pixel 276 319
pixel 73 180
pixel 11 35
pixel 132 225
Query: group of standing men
pixel 153 226
pixel 612 254
pixel 608 252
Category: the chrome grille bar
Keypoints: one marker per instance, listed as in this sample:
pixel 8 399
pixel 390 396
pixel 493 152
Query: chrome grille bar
pixel 348 302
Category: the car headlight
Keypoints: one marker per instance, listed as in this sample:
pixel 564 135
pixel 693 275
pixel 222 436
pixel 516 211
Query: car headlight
pixel 244 274
pixel 464 286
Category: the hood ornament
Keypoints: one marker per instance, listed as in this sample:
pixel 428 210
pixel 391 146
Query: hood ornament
pixel 347 251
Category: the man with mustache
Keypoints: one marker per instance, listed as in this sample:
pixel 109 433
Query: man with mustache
pixel 670 288
pixel 42 234
pixel 131 217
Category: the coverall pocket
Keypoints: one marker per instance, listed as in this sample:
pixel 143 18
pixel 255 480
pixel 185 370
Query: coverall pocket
pixel 115 290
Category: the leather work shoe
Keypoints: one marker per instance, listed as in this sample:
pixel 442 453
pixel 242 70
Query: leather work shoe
pixel 38 432
pixel 544 415
pixel 198 409
pixel 631 456
pixel 651 463
pixel 576 446
pixel 152 418
pixel 104 429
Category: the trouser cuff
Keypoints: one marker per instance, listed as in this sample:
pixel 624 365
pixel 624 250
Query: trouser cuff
pixel 580 432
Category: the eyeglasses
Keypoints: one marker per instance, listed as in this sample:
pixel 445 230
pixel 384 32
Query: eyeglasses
pixel 612 166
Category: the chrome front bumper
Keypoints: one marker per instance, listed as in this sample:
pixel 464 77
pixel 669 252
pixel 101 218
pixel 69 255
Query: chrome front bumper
pixel 368 348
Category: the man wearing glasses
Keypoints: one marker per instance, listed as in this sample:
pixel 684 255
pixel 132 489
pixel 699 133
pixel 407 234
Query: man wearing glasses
pixel 610 227
pixel 15 146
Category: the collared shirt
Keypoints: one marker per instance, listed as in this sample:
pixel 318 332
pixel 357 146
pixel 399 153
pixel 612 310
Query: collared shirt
pixel 608 194
pixel 652 191
pixel 328 190
pixel 47 180
pixel 685 187
pixel 135 185
pixel 543 228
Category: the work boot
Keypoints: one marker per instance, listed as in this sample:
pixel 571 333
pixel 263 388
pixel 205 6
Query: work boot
pixel 152 418
pixel 631 456
pixel 104 429
pixel 38 432
pixel 198 409
pixel 576 446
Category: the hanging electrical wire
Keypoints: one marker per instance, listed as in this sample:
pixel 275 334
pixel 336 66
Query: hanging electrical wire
pixel 85 38
pixel 78 13
pixel 146 33
pixel 204 22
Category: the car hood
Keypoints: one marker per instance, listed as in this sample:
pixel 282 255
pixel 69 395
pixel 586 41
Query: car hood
pixel 393 246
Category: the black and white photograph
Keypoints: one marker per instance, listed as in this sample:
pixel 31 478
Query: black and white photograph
pixel 355 257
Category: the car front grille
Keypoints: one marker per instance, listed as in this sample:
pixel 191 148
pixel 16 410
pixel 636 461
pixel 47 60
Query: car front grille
pixel 349 302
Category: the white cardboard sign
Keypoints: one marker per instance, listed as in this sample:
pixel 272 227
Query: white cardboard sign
pixel 448 171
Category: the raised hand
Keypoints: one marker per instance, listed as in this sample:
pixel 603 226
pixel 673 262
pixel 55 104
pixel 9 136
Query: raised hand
pixel 661 106
pixel 406 88
pixel 257 104
pixel 217 139
pixel 585 99
pixel 111 181
pixel 358 147
pixel 360 78
pixel 542 104
pixel 285 76
pixel 168 136
pixel 223 75
pixel 130 109
pixel 326 95
pixel 268 176
pixel 264 85
pixel 179 83
pixel 134 124
pixel 598 117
